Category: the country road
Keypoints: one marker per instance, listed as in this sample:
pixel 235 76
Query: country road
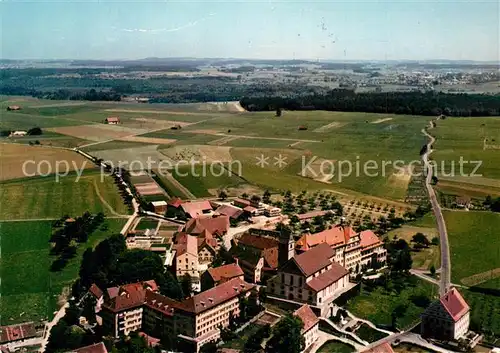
pixel 444 284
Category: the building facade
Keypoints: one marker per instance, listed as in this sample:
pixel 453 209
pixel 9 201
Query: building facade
pixel 354 251
pixel 447 318
pixel 311 325
pixel 312 277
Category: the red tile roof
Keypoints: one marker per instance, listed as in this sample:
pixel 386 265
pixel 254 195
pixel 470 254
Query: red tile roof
pixel 257 242
pixel 150 340
pixel 215 296
pixel 127 296
pixel 93 348
pixel 175 202
pixel 334 236
pixel 328 277
pixel 249 209
pixel 186 244
pixel 368 239
pixel 454 304
pixel 161 303
pixel 196 208
pixel 315 259
pixel 242 202
pixel 216 225
pixel 307 316
pixel 381 348
pixel 230 211
pixel 206 236
pixel 226 272
pixel 17 332
pixel 96 291
pixel 271 257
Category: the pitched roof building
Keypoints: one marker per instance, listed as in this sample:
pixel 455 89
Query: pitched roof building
pixel 354 251
pixel 196 319
pixel 257 256
pixel 311 324
pixel 218 275
pixel 194 209
pixel 312 277
pixel 216 225
pixel 93 348
pixel 446 318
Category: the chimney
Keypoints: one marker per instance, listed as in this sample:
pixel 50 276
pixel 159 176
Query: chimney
pixel 237 262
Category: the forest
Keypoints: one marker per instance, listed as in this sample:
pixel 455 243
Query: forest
pixel 414 103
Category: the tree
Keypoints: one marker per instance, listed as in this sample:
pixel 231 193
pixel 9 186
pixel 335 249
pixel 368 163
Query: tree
pixel 287 336
pixel 433 270
pixel 435 241
pixel 254 342
pixel 244 195
pixel 255 198
pixel 186 285
pixel 210 347
pixel 266 197
pixel 278 112
pixel 398 312
pixel 434 180
pixel 222 195
pixel 420 240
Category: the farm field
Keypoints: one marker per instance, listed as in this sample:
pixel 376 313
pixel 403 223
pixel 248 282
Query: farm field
pixel 45 161
pixel 473 139
pixel 44 198
pixel 29 290
pixel 378 305
pixel 203 186
pixel 474 244
pixel 332 137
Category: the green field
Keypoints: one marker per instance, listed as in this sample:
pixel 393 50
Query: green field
pixel 29 291
pixel 474 242
pixel 463 137
pixel 43 197
pixel 378 305
pixel 342 137
pixel 485 313
pixel 200 185
pixel 335 347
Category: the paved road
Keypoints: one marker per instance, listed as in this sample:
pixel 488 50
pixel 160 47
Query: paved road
pixel 444 284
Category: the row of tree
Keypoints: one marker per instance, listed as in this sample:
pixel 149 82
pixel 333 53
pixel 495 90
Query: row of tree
pixel 414 103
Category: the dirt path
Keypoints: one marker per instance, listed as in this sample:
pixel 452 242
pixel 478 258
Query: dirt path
pixel 105 203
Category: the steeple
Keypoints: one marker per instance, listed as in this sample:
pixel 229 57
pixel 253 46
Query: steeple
pixel 286 247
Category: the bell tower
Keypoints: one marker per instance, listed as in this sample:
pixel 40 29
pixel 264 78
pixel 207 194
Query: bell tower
pixel 286 247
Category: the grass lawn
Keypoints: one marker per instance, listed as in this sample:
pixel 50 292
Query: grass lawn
pixel 29 291
pixel 423 259
pixel 474 242
pixel 147 223
pixel 335 347
pixel 243 336
pixel 368 334
pixel 43 197
pixel 378 305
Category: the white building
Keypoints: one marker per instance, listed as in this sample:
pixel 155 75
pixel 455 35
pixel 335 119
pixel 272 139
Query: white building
pixel 312 277
pixel 446 318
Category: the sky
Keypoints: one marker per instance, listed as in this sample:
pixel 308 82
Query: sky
pixel 306 29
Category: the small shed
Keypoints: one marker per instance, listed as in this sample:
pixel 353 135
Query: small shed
pixel 112 120
pixel 13 107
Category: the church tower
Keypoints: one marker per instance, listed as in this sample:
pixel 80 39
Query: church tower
pixel 286 247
